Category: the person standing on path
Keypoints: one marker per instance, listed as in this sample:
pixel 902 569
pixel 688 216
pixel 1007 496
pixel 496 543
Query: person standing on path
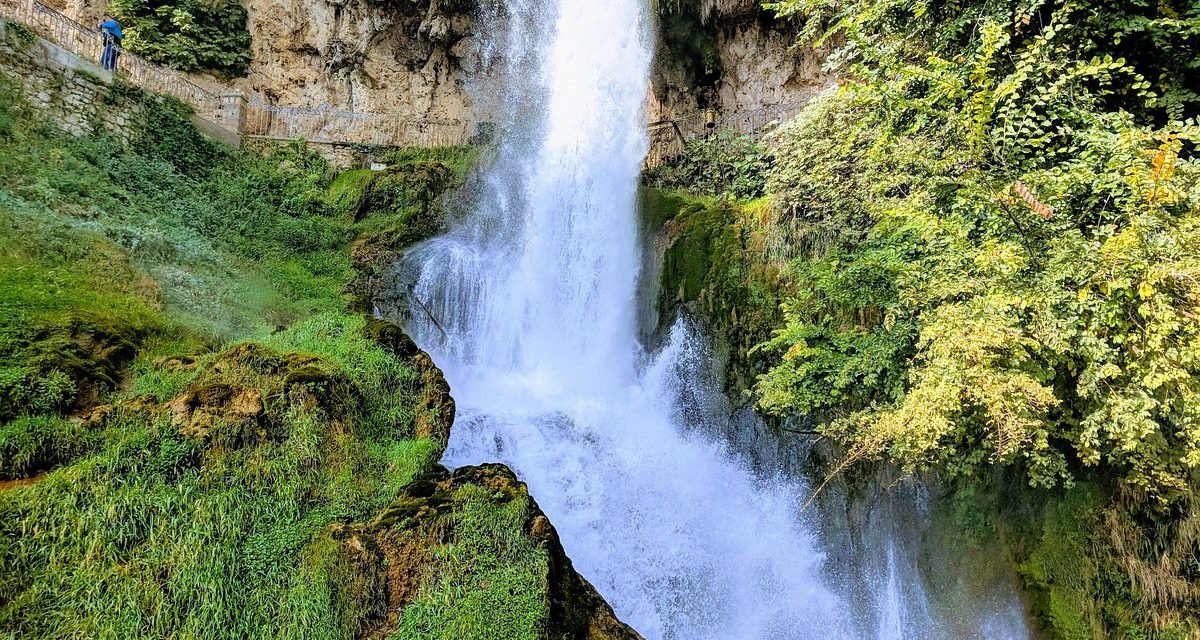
pixel 110 31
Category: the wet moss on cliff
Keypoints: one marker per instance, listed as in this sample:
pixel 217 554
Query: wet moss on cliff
pixel 468 554
pixel 396 207
pixel 710 265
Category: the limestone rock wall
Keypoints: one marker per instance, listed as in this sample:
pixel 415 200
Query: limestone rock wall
pixel 421 58
pixel 733 59
pixel 73 93
pixel 407 56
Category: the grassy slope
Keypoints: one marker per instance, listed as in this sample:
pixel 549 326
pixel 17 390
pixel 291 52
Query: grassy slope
pixel 199 294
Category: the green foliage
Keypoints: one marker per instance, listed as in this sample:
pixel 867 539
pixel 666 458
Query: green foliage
pixel 187 34
pixel 202 500
pixel 1152 42
pixel 724 163
pixel 32 444
pixel 841 354
pixel 1018 313
pixel 19 35
pixel 488 582
pixel 993 240
pixel 821 179
pixel 228 242
pixel 164 516
pixel 71 309
pixel 711 265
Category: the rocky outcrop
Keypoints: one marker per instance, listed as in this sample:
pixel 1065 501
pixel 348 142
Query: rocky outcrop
pixel 408 57
pixel 435 408
pixel 732 58
pixel 396 551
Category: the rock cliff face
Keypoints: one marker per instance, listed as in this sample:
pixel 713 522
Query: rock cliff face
pixel 411 56
pixel 733 60
pixel 422 58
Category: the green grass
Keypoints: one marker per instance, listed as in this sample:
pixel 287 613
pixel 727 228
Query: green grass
pixel 178 269
pixel 487 582
pixel 173 280
pixel 161 534
pixel 30 443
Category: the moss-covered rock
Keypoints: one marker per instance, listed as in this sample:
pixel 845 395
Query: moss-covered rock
pixel 469 554
pixel 232 479
pixel 712 263
pixel 434 410
pixel 347 194
pixel 205 489
pixel 395 208
pixel 65 366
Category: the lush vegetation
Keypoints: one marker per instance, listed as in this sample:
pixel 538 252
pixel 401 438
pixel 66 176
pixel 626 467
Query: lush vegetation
pixel 721 164
pixel 192 35
pixel 712 265
pixel 991 240
pixel 192 415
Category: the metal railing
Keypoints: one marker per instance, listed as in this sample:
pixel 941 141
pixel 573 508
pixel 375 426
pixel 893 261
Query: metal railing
pixel 669 138
pixel 87 43
pixel 335 126
pixel 326 125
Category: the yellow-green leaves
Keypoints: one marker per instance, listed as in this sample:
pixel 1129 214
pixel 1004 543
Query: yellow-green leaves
pixel 1043 257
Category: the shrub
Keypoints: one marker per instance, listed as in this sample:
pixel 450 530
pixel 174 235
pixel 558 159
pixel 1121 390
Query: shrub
pixel 1013 280
pixel 724 163
pixel 190 34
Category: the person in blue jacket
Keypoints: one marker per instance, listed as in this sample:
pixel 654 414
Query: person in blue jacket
pixel 110 31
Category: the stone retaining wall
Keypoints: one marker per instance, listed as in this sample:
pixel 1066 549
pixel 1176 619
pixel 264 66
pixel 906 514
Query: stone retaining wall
pixel 74 94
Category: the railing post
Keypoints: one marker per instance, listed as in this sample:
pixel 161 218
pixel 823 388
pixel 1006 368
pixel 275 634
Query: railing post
pixel 232 113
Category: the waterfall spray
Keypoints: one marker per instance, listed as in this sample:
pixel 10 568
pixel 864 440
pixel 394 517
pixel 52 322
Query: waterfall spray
pixel 535 293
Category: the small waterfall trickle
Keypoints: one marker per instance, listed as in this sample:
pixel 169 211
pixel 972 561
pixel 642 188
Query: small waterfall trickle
pixel 534 296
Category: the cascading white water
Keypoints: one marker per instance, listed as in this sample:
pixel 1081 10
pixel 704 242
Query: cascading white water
pixel 529 308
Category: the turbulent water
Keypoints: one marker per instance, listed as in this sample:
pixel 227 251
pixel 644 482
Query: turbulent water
pixel 529 307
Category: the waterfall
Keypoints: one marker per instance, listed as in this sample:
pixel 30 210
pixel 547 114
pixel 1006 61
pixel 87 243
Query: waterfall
pixel 534 301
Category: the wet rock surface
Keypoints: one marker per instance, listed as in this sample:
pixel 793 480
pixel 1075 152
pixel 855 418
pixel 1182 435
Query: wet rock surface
pixel 394 551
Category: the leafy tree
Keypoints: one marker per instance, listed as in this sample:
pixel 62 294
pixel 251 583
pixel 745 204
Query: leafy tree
pixel 191 35
pixel 994 228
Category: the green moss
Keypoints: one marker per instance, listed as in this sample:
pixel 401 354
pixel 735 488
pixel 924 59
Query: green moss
pixel 348 193
pixel 488 581
pixel 19 36
pixel 657 206
pixel 165 517
pixel 459 158
pixel 711 263
pixel 1060 568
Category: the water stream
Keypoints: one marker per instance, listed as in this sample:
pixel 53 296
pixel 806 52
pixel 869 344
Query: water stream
pixel 535 296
